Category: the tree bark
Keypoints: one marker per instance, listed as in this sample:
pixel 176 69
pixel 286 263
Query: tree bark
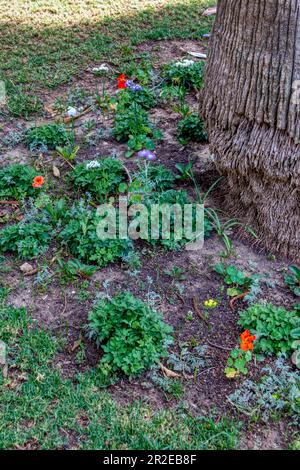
pixel 253 115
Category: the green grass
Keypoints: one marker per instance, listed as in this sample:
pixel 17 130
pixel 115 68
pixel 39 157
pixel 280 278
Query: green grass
pixel 42 409
pixel 46 43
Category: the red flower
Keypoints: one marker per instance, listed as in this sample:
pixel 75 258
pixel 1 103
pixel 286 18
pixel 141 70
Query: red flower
pixel 121 82
pixel 38 182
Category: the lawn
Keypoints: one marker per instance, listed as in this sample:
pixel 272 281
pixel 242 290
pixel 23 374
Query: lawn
pixel 122 343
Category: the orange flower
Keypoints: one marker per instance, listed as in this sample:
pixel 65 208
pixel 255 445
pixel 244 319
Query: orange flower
pixel 38 182
pixel 121 82
pixel 247 341
pixel 247 346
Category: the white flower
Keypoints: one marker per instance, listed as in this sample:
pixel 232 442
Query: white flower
pixel 72 112
pixel 101 68
pixel 185 63
pixel 92 164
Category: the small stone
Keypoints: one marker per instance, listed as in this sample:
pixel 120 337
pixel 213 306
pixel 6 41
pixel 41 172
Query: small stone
pixel 199 55
pixel 72 112
pixel 26 268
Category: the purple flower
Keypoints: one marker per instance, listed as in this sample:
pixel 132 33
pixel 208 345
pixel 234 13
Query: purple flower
pixel 132 86
pixel 147 154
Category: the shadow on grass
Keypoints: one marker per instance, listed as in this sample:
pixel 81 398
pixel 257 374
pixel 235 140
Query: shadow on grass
pixel 39 56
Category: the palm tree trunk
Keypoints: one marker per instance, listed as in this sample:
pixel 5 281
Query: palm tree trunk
pixel 253 115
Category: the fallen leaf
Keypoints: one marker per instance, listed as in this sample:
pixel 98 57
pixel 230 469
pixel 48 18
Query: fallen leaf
pixel 31 273
pixel 26 268
pixel 230 373
pixel 5 371
pixel 56 171
pixel 168 373
pixel 76 345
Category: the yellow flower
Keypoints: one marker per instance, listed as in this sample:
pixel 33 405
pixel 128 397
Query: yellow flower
pixel 211 303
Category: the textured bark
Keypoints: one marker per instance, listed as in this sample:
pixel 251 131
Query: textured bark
pixel 253 122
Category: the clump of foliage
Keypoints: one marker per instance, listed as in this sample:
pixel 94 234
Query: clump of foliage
pixel 277 392
pixel 80 235
pixel 240 356
pixel 143 97
pixel 276 328
pixel 237 279
pixel 27 239
pixel 293 280
pixel 151 178
pixel 170 198
pixel 16 181
pixel 188 362
pixel 187 74
pixel 13 137
pixel 48 137
pixel 132 335
pixel 99 178
pixel 162 178
pixel 69 152
pixel 237 363
pixel 74 268
pixel 132 125
pixel 21 103
pixel 191 129
pixel 184 171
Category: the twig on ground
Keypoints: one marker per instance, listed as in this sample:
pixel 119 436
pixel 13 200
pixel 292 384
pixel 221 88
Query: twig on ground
pixel 198 311
pixel 238 297
pixel 217 346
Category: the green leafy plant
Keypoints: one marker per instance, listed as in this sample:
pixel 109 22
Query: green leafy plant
pixel 28 240
pixel 132 125
pixel 132 335
pixel 16 181
pixel 80 235
pixel 170 198
pixel 293 280
pixel 191 129
pixel 184 170
pixel 69 152
pixel 237 363
pixel 276 328
pixel 161 177
pixel 238 280
pixel 48 137
pixel 187 74
pixel 153 177
pixel 144 98
pixel 177 272
pixel 100 178
pixel 74 268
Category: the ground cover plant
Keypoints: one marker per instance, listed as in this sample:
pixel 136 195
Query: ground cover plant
pixel 108 342
pixel 132 335
pixel 16 181
pixel 99 178
pixel 48 136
